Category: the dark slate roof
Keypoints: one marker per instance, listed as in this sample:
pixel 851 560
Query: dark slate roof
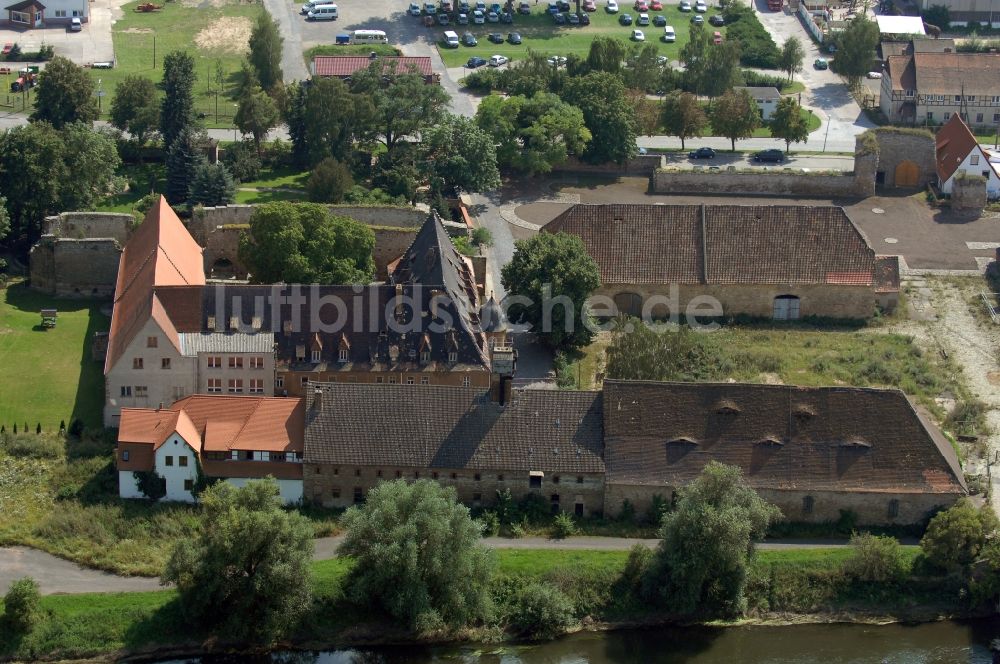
pixel 721 244
pixel 783 437
pixel 430 426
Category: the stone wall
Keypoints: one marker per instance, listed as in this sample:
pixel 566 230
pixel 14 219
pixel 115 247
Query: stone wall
pixel 334 486
pixel 80 225
pixel 896 145
pixel 643 164
pixel 871 508
pixel 968 194
pixel 825 301
pixel 71 267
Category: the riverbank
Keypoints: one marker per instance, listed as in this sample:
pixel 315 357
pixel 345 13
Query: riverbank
pixel 786 587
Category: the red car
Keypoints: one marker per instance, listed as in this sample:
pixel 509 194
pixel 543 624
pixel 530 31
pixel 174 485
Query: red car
pixel 641 6
pixel 589 6
pixel 656 6
pixel 716 37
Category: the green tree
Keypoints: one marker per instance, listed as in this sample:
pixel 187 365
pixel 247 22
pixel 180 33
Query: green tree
pixel 606 54
pixel 404 105
pixel 937 15
pixel 788 124
pixel 683 116
pixel 540 610
pixel 792 56
pixel 4 219
pixel 248 568
pixel 708 544
pixel 639 352
pixel 533 134
pixel 256 114
pixel 177 106
pixel 856 49
pixel 21 605
pixel 956 536
pixel 304 244
pixel 875 559
pixel 606 113
pixel 242 161
pixel 721 69
pixel 735 115
pixel 325 119
pixel 549 266
pixel 135 107
pixel 265 51
pixel 644 71
pixel 329 181
pixel 65 94
pixel 694 56
pixel 91 156
pixel 418 556
pixel 184 156
pixel 458 153
pixel 212 184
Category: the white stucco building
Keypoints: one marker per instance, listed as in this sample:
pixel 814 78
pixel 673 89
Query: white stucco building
pixel 958 153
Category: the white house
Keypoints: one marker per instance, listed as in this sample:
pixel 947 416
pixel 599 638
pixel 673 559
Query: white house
pixel 959 153
pixel 231 438
pixel 767 99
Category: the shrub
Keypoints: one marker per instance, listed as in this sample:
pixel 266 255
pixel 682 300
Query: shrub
pixel 21 605
pixel 329 182
pixel 563 526
pixel 658 506
pixel 533 508
pixel 491 524
pixel 517 531
pixel 639 558
pixel 875 559
pixel 955 536
pixel 540 610
pixel 150 484
pixel 967 418
pixel 482 235
pixel 627 513
pixel 243 161
pixel 33 446
pixel 757 48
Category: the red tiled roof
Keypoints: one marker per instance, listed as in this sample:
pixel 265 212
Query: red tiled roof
pixel 348 65
pixel 954 143
pixel 146 425
pixel 161 252
pixel 721 244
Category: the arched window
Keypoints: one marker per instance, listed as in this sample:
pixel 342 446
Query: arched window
pixel 628 304
pixel 786 307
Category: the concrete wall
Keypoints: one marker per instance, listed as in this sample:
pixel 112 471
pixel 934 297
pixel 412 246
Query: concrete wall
pixel 871 508
pixel 968 194
pixel 895 146
pixel 75 267
pixel 639 165
pixel 289 490
pixel 849 302
pixel 127 485
pixel 774 182
pixel 334 486
pixel 80 225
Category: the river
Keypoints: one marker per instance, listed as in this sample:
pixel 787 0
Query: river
pixel 929 643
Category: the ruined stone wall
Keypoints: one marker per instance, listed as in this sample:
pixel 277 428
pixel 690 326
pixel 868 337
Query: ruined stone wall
pixel 643 164
pixel 75 267
pixel 773 182
pixel 968 194
pixel 896 145
pixel 81 225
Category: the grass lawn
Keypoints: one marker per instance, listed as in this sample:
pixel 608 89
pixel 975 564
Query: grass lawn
pixel 215 33
pixel 48 376
pixel 813 356
pixel 539 33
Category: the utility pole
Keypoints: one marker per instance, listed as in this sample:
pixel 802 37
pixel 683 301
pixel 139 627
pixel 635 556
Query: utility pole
pixel 827 134
pixel 154 51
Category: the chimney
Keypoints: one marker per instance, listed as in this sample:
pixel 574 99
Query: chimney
pixel 501 390
pixel 318 400
pixel 997 256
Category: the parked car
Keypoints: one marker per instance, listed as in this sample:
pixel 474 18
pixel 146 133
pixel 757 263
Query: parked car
pixel 702 153
pixel 584 19
pixel 564 5
pixel 642 20
pixel 874 74
pixel 553 7
pixel 637 35
pixel 625 19
pixel 524 8
pixel 641 6
pixel 717 20
pixel 463 19
pixel 776 156
pixel 493 17
pixel 821 63
pixel 450 39
pixel 495 7
pixel 716 37
pixel 495 37
pixel 498 60
pixel 478 17
pixel 659 20
pixel 308 7
pixel 572 19
pixel 514 38
pixel 469 39
pixel 656 6
pixel 684 6
pixel 557 61
pixel 506 17
pixel 446 6
pixel 611 7
pixel 481 6
pixel 698 19
pixel 443 19
pixel 700 6
pixel 428 21
pixel 75 25
pixel 430 8
pixel 589 6
pixel 414 9
pixel 475 62
pixel 560 19
pixel 463 6
pixel 669 34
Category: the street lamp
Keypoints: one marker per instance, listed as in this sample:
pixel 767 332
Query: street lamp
pixel 235 106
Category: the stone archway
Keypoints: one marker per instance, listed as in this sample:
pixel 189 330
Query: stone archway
pixel 907 174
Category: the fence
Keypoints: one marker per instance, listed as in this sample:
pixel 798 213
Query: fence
pixel 991 309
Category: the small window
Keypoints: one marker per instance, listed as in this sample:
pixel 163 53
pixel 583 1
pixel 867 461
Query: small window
pixel 335 493
pixel 378 473
pixel 454 476
pixel 398 474
pixel 477 498
pixel 893 508
pixel 214 385
pixel 235 385
pixel 478 477
pixel 304 381
pixel 214 362
pixel 182 461
pixel 499 478
pixel 315 356
pixel 256 386
pixel 555 479
pixel 141 391
pixel 300 353
pixel 165 363
pixel 996 117
pixel 930 115
pixel 425 356
pixel 151 342
pixel 392 380
pixel 466 381
pixel 137 363
pixel 535 482
pixel 947 116
pixel 974 160
pixel 279 381
pixel 188 485
pixel 126 390
pixel 808 503
pixel 359 495
pixel 342 357
pixel 452 357
pixel 909 93
pixel 579 479
pixel 979 118
pixel 578 509
pixel 409 380
pixel 256 362
pixel 124 455
pixel 434 475
pixel 357 472
pixel 425 380
pixel 336 471
pixel 958 98
pixel 379 380
pixel 416 474
pixel 235 362
pixel 168 460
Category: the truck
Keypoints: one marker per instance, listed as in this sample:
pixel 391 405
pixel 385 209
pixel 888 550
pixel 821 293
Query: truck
pixel 26 79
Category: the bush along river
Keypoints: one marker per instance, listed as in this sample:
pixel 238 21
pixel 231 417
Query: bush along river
pixel 947 642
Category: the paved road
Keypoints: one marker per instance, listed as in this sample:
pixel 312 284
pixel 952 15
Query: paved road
pixel 722 160
pixel 287 16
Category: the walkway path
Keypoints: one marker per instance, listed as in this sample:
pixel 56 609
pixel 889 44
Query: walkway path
pixel 58 576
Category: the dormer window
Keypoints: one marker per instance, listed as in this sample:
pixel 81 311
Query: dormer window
pixel 682 440
pixel 211 323
pixel 425 356
pixel 726 408
pixel 255 324
pixel 315 356
pixel 300 353
pixel 804 412
pixel 342 356
pixel 856 444
pixel 234 322
pixel 452 357
pixel 771 441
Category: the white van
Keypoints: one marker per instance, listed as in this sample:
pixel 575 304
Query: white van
pixel 669 35
pixel 369 37
pixel 450 39
pixel 323 13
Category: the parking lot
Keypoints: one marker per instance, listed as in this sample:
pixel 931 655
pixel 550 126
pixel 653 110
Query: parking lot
pixel 92 44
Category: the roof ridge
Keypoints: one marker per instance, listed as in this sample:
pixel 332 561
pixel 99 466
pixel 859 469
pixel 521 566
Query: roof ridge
pixel 246 421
